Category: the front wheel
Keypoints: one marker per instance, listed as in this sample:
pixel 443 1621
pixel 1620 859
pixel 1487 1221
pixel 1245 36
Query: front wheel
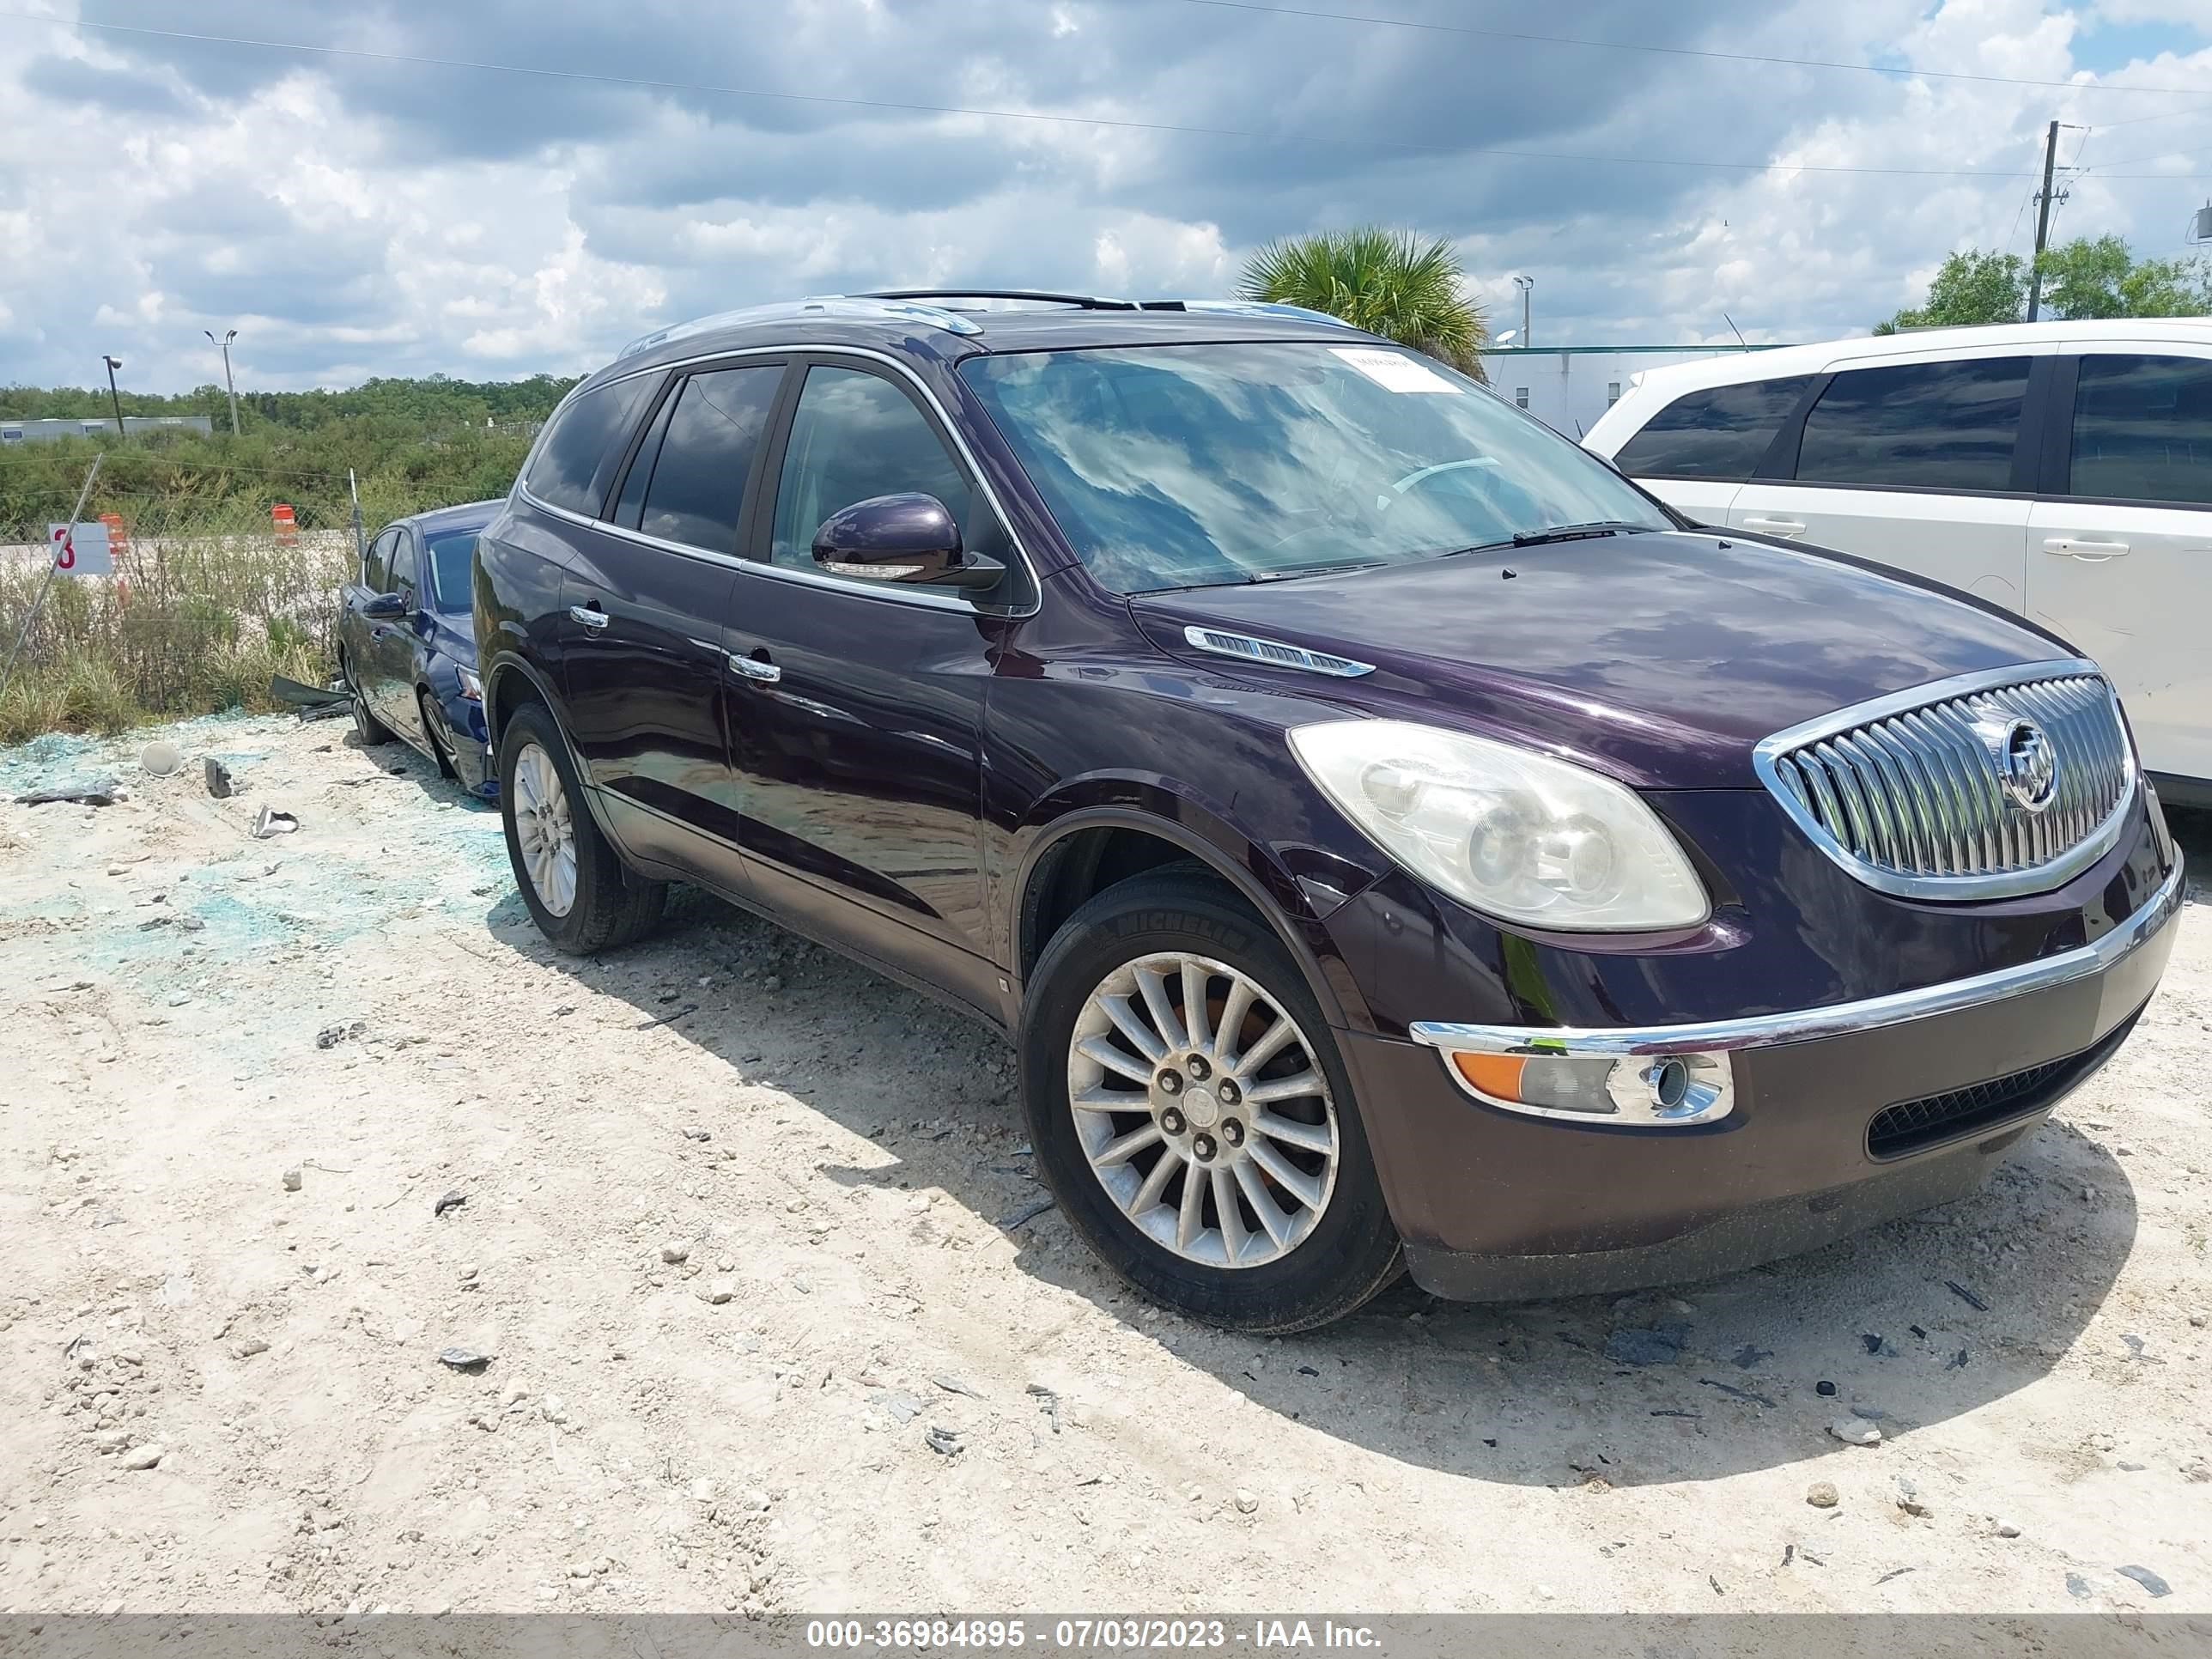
pixel 579 893
pixel 1192 1116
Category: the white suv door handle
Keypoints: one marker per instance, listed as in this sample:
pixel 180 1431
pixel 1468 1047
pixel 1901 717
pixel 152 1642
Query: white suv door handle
pixel 2072 547
pixel 1776 527
pixel 594 620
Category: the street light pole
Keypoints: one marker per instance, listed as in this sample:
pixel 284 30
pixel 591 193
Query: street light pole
pixel 114 397
pixel 225 343
pixel 1525 284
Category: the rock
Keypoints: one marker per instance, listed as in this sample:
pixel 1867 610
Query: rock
pixel 464 1359
pixel 220 783
pixel 2003 1529
pixel 1653 1345
pixel 293 1177
pixel 2196 1469
pixel 719 1292
pixel 1908 1498
pixel 773 982
pixel 899 1407
pixel 145 1457
pixel 450 1201
pixel 2149 1580
pixel 269 822
pixel 675 1253
pixel 1825 1388
pixel 1248 1503
pixel 954 1385
pixel 1855 1431
pixel 942 1441
pixel 110 1440
pixel 2077 1587
pixel 1822 1495
pixel 247 1349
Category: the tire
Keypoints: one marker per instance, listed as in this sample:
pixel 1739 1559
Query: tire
pixel 369 731
pixel 433 729
pixel 1335 1255
pixel 593 902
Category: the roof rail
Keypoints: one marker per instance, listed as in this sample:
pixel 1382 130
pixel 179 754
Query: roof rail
pixel 1084 302
pixel 1266 308
pixel 878 306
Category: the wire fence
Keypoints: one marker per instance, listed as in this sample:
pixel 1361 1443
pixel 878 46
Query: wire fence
pixel 209 600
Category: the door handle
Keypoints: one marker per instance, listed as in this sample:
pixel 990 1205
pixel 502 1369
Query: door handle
pixel 753 668
pixel 1778 526
pixel 590 616
pixel 2073 547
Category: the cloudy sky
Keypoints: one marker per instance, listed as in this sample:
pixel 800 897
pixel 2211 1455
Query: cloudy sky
pixel 397 202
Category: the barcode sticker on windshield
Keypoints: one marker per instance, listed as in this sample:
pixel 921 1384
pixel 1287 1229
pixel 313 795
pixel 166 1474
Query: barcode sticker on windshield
pixel 1388 369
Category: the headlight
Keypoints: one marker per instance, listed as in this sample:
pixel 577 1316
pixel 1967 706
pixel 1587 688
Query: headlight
pixel 471 687
pixel 1518 835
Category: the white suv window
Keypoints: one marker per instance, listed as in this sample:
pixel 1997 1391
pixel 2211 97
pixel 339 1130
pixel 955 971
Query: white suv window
pixel 1918 426
pixel 1722 432
pixel 2142 429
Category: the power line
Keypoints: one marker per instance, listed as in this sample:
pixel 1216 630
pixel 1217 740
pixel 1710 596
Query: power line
pixel 642 83
pixel 1687 52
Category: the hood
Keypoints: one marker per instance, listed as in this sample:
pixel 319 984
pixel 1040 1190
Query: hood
pixel 1660 657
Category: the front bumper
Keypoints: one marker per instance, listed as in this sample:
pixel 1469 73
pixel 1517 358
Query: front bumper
pixel 1495 1204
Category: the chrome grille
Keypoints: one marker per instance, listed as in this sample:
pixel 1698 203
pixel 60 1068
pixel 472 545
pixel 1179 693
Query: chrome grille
pixel 1911 792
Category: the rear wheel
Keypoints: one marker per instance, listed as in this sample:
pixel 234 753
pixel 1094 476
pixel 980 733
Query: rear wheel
pixel 370 731
pixel 578 891
pixel 1192 1114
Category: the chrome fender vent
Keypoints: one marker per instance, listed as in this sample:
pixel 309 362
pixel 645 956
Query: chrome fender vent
pixel 1249 648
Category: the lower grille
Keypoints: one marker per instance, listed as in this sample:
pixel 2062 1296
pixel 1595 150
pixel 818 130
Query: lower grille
pixel 1913 1125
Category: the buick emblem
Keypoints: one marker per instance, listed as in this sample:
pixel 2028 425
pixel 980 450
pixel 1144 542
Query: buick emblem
pixel 2028 765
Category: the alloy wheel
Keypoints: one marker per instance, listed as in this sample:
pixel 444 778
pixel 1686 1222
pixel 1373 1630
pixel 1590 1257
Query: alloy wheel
pixel 544 830
pixel 1202 1109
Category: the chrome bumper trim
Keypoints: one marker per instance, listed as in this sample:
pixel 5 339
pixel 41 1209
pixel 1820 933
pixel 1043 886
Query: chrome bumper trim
pixel 1763 1031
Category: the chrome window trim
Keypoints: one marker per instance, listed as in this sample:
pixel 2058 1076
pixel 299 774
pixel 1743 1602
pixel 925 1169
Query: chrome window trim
pixel 1808 1025
pixel 2009 883
pixel 915 597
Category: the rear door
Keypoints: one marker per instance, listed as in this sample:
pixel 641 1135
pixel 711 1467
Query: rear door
pixel 856 711
pixel 647 594
pixel 1918 463
pixel 394 643
pixel 1698 451
pixel 2119 544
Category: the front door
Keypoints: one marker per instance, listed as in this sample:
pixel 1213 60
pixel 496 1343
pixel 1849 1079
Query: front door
pixel 1915 465
pixel 856 711
pixel 393 643
pixel 2119 555
pixel 647 595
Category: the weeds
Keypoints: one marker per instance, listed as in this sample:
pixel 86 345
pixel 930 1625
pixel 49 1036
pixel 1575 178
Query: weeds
pixel 197 617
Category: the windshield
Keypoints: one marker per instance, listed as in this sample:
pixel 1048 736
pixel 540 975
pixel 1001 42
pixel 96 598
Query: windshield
pixel 1195 465
pixel 449 570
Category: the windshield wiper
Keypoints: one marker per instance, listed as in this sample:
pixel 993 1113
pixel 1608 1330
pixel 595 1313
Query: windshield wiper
pixel 1574 532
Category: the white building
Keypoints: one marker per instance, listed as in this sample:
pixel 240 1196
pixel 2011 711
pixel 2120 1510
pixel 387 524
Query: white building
pixel 88 426
pixel 1568 387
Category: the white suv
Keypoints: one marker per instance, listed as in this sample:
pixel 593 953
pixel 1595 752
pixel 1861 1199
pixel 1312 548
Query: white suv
pixel 2062 470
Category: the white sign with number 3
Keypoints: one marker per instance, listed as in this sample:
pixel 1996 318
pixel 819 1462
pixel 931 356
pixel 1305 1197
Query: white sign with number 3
pixel 81 549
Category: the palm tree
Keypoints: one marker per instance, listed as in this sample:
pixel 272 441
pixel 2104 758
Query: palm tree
pixel 1389 283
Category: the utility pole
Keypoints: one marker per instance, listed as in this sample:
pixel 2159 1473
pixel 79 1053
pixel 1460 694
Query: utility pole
pixel 1527 285
pixel 225 343
pixel 114 397
pixel 2042 221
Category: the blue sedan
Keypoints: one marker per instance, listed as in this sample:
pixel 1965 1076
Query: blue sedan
pixel 407 643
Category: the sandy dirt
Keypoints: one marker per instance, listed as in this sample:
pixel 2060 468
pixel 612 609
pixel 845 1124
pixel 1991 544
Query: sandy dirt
pixel 731 1236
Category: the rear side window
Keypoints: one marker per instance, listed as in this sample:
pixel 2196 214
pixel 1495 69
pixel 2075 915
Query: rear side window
pixel 697 488
pixel 1918 426
pixel 577 459
pixel 1719 433
pixel 2142 429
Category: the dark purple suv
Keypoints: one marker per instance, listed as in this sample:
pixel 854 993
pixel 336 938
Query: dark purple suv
pixel 1390 836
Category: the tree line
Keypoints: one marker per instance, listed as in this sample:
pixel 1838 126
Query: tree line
pixel 2089 276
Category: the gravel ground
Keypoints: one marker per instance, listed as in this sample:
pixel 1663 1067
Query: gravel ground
pixel 729 1230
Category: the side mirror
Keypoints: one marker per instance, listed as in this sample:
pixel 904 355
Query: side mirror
pixel 907 538
pixel 385 607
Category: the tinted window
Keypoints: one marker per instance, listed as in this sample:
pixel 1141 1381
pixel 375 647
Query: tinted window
pixel 855 435
pixel 698 483
pixel 1182 465
pixel 631 501
pixel 1719 433
pixel 376 569
pixel 2142 429
pixel 450 552
pixel 1918 426
pixel 404 578
pixel 578 455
